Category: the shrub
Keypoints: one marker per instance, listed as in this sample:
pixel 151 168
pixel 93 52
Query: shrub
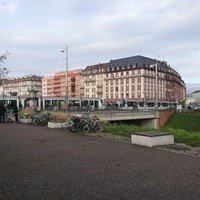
pixel 25 114
pixel 59 116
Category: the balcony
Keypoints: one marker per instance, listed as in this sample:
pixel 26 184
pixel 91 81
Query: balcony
pixel 100 85
pixel 90 80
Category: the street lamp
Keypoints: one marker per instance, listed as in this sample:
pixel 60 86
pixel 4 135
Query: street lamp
pixel 66 77
pixel 156 103
pixel 155 66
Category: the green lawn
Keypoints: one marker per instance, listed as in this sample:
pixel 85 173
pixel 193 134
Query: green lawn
pixel 122 129
pixel 184 126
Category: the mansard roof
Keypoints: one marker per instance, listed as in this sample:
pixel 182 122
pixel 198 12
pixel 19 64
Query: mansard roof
pixel 197 91
pixel 96 66
pixel 139 61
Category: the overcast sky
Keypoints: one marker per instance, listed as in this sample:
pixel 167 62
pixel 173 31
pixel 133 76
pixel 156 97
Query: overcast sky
pixel 96 31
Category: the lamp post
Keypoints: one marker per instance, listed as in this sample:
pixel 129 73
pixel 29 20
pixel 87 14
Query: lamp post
pixel 66 77
pixel 156 103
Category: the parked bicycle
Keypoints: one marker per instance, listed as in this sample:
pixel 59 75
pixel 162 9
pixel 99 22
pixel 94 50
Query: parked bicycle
pixel 41 119
pixel 95 124
pixel 83 123
pixel 77 124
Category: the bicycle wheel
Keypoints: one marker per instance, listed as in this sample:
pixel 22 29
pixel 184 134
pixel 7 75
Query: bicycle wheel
pixel 73 128
pixel 35 121
pixel 98 127
pixel 86 128
pixel 44 121
pixel 65 125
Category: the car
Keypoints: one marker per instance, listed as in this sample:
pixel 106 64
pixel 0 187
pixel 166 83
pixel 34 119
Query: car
pixel 196 107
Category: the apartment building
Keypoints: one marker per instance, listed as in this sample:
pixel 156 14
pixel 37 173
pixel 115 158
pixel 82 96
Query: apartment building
pixel 196 95
pixel 20 86
pixel 61 84
pixel 92 81
pixel 135 78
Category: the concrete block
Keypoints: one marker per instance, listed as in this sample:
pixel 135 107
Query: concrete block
pixel 54 125
pixel 26 121
pixel 152 138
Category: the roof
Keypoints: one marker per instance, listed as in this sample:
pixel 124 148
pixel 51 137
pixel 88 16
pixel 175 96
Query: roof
pixel 96 66
pixel 138 60
pixel 197 91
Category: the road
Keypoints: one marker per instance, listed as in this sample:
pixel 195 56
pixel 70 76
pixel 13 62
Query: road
pixel 42 163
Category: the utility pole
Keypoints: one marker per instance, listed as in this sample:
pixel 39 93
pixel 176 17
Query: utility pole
pixel 66 77
pixel 156 103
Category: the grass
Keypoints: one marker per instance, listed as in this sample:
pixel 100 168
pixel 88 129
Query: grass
pixel 184 126
pixel 124 130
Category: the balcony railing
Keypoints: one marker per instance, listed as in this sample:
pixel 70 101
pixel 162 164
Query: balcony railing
pixel 90 80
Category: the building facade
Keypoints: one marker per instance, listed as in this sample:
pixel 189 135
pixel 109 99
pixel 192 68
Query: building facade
pixel 62 84
pixel 135 78
pixel 196 95
pixel 92 81
pixel 20 86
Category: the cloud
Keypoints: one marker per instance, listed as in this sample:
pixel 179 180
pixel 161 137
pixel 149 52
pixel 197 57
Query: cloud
pixel 96 31
pixel 11 7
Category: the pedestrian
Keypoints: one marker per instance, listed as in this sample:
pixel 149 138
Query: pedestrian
pixel 15 111
pixel 2 112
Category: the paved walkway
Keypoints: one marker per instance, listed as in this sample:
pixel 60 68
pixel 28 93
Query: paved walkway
pixel 41 163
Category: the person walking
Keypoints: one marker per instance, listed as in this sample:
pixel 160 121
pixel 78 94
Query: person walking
pixel 2 113
pixel 15 111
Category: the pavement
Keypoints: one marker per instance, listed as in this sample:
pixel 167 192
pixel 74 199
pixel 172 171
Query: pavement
pixel 38 163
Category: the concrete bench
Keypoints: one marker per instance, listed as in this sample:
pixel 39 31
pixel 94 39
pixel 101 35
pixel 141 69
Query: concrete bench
pixel 152 138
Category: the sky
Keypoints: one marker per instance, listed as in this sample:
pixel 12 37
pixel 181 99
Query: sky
pixel 35 32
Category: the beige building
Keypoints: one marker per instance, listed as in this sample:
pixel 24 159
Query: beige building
pixel 55 85
pixel 20 86
pixel 134 79
pixel 92 81
pixel 196 96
